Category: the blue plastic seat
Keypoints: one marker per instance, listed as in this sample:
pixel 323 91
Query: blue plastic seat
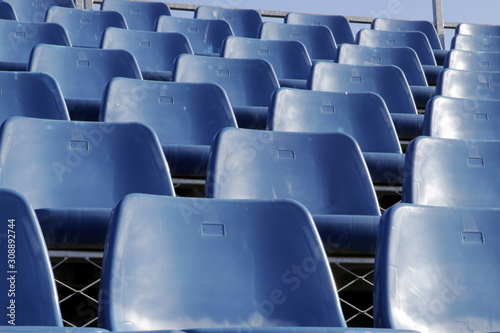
pixel 249 83
pixel 480 61
pixel 85 26
pixel 185 125
pixel 475 29
pixel 403 57
pixel 318 39
pixel 469 84
pixel 155 52
pixel 139 15
pixel 437 269
pixel 338 24
pixel 235 269
pixel 476 43
pixel 364 116
pixel 83 73
pixel 79 171
pixel 452 173
pixel 289 58
pixel 35 11
pixel 459 118
pixel 7 12
pixel 244 22
pixel 387 81
pixel 206 36
pixel 324 171
pixel 30 94
pixel 19 38
pixel 413 39
pixel 30 296
pixel 426 27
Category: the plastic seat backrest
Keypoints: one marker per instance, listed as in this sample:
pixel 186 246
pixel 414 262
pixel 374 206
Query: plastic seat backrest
pixel 290 59
pixel 206 36
pixel 30 94
pixel 318 39
pixel 154 51
pixel 452 173
pixel 19 38
pixel 364 116
pixel 139 15
pixel 423 26
pixel 247 164
pixel 413 39
pixel 476 43
pixel 244 22
pixel 474 29
pixel 271 237
pixel 403 57
pixel 459 118
pixel 36 11
pixel 81 164
pixel 387 81
pixel 85 26
pixel 338 24
pixel 469 84
pixel 74 66
pixel 452 249
pixel 247 82
pixel 7 11
pixel 170 109
pixel 473 61
pixel 30 296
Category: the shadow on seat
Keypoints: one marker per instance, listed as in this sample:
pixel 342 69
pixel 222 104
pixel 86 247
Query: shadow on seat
pixel 185 125
pixel 239 264
pixel 244 22
pixel 289 58
pixel 249 83
pixel 73 173
pixel 204 35
pixel 318 39
pixel 364 116
pixel 19 38
pixel 387 81
pixel 30 94
pixel 155 52
pixel 36 11
pixel 85 26
pixel 74 66
pixel 324 171
pixel 139 15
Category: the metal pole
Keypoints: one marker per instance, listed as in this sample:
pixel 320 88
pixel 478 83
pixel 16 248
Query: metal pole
pixel 83 4
pixel 437 8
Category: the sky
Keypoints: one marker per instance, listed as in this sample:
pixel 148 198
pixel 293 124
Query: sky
pixel 471 11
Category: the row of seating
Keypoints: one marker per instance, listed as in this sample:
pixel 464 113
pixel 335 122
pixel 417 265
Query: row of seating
pixel 264 269
pixel 92 166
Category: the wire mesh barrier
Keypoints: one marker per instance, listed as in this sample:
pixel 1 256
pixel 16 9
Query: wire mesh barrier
pixel 77 280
